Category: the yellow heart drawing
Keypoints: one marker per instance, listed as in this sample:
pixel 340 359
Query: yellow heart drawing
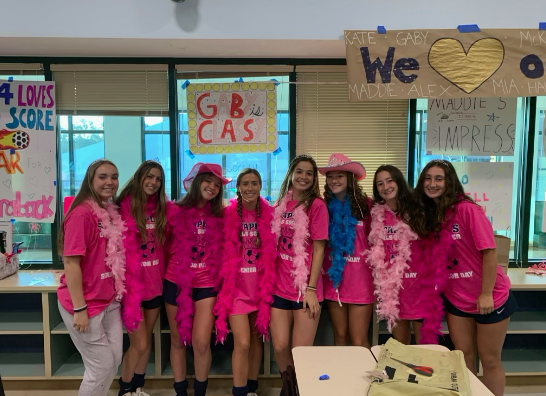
pixel 466 70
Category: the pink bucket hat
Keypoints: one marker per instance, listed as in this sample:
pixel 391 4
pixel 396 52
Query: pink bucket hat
pixel 201 167
pixel 341 163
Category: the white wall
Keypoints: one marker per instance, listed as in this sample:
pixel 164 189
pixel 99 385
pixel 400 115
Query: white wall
pixel 171 26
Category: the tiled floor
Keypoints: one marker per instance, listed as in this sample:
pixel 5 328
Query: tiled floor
pixel 512 391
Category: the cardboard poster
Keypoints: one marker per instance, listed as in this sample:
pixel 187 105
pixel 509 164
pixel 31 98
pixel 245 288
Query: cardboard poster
pixel 444 63
pixel 490 185
pixel 471 126
pixel 27 151
pixel 235 117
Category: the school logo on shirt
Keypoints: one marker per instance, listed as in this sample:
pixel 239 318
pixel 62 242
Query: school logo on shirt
pixel 147 249
pixel 100 227
pixel 455 232
pixel 249 235
pixel 198 249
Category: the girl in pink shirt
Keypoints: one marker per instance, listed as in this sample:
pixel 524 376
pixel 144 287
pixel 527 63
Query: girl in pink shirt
pixel 247 278
pixel 301 225
pixel 200 230
pixel 401 280
pixel 347 278
pixel 148 216
pixel 477 294
pixel 91 243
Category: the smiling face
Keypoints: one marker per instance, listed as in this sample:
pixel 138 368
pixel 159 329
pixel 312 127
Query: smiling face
pixel 210 187
pixel 105 181
pixel 386 187
pixel 434 183
pixel 302 177
pixel 249 187
pixel 152 181
pixel 337 183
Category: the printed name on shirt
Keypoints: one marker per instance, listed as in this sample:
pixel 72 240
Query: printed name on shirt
pixel 248 270
pixel 455 232
pixel 352 259
pixel 99 226
pixel 106 275
pixel 149 263
pixel 410 275
pixel 459 275
pixel 198 265
pixel 286 257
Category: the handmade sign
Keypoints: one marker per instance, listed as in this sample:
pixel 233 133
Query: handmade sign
pixel 402 64
pixel 27 151
pixel 236 117
pixel 471 126
pixel 490 185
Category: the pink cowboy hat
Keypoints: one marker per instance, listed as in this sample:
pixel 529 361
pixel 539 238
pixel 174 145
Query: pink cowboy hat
pixel 341 163
pixel 201 167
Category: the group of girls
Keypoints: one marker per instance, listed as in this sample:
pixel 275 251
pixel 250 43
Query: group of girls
pixel 262 269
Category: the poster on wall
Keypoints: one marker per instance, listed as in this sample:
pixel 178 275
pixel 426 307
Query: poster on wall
pixel 27 151
pixel 421 63
pixel 237 117
pixel 471 126
pixel 490 185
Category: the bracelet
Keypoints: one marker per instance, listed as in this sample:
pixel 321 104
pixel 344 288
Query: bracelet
pixel 80 309
pixel 311 288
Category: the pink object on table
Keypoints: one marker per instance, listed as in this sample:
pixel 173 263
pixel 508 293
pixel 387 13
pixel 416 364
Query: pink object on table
pixel 67 201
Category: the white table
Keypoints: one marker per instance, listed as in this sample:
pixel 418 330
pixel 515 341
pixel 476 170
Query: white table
pixel 346 366
pixel 476 386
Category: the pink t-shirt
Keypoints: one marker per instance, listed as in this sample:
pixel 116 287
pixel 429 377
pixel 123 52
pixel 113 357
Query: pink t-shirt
pixel 410 296
pixel 152 261
pixel 83 237
pixel 200 254
pixel 318 230
pixel 246 296
pixel 356 286
pixel 471 233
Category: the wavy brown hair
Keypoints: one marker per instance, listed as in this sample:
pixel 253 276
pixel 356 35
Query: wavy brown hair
pixel 435 214
pixel 311 193
pixel 406 208
pixel 133 189
pixel 358 200
pixel 85 192
pixel 193 195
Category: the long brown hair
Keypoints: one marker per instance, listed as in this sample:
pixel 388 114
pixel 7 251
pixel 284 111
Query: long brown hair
pixel 437 213
pixel 358 200
pixel 311 193
pixel 133 189
pixel 193 195
pixel 85 192
pixel 405 201
pixel 242 173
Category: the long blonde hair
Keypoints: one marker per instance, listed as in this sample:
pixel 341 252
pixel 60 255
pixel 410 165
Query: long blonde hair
pixel 133 189
pixel 85 192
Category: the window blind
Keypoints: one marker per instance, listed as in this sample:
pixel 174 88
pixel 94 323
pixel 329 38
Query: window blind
pixel 137 90
pixel 373 133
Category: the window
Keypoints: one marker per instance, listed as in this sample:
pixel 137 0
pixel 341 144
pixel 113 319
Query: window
pixel 537 225
pixel 272 166
pixel 422 158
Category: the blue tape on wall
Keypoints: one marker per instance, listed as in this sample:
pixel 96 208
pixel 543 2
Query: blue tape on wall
pixel 276 152
pixel 190 154
pixel 542 26
pixel 10 78
pixel 185 84
pixel 275 81
pixel 268 198
pixel 468 28
pixel 12 151
pixel 381 30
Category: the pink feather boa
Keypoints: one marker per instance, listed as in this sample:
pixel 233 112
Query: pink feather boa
pixel 388 276
pixel 131 314
pixel 185 227
pixel 437 251
pixel 232 262
pixel 300 273
pixel 112 227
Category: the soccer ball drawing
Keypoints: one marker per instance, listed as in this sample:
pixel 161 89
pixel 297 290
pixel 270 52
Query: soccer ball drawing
pixel 17 140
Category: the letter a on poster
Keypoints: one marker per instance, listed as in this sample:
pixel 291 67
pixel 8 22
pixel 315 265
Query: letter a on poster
pixel 27 151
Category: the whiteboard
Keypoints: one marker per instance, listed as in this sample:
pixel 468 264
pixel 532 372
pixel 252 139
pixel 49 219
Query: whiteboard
pixel 490 185
pixel 471 126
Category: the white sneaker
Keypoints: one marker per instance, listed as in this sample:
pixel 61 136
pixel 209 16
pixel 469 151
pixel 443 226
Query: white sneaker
pixel 251 394
pixel 140 392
